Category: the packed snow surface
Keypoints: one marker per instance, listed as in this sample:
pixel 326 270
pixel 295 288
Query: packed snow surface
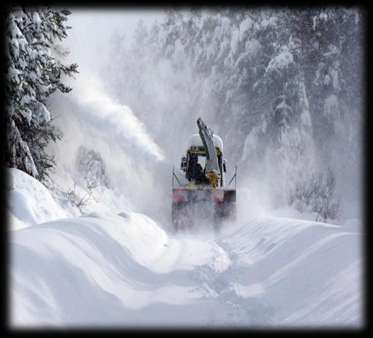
pixel 29 201
pixel 125 270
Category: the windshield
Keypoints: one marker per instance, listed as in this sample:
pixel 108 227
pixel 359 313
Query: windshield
pixel 202 161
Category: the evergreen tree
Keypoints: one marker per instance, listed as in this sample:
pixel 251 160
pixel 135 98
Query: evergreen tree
pixel 279 82
pixel 34 73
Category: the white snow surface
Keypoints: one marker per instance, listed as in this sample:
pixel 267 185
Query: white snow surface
pixel 29 201
pixel 123 270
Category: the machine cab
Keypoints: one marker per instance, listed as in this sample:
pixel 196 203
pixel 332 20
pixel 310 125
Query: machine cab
pixel 193 163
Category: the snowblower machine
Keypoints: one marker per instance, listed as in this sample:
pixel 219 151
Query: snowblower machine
pixel 204 195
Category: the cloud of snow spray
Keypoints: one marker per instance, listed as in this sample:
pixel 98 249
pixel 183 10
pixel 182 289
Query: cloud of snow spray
pixel 141 130
pixel 139 165
pixel 91 118
pixel 117 120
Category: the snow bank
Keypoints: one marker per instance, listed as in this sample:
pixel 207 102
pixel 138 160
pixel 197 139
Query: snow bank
pixel 125 270
pixel 29 201
pixel 309 272
pixel 120 270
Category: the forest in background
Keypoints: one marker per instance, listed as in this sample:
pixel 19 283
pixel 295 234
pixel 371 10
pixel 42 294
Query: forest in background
pixel 282 87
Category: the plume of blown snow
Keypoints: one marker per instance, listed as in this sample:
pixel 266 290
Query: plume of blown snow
pixel 115 118
pixel 91 118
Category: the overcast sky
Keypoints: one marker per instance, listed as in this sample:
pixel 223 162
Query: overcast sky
pixel 91 31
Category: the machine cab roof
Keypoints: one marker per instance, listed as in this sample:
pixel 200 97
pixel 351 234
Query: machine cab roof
pixel 195 141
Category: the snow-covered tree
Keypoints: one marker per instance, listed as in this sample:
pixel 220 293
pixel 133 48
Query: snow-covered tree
pixel 91 168
pixel 276 84
pixel 34 72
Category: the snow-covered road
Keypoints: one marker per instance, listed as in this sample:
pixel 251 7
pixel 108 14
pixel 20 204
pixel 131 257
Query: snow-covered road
pixel 125 270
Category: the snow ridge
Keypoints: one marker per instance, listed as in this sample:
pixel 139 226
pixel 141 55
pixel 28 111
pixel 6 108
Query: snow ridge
pixel 124 269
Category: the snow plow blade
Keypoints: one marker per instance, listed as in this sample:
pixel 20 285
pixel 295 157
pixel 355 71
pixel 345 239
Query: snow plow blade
pixel 191 206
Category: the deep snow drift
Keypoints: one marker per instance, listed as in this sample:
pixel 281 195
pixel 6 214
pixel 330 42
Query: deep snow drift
pixel 30 202
pixel 125 270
